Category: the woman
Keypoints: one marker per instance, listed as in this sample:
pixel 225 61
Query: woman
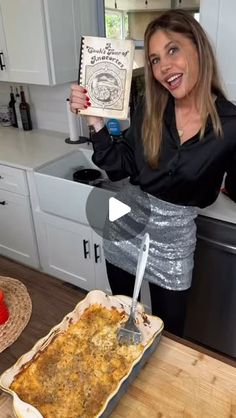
pixel 181 143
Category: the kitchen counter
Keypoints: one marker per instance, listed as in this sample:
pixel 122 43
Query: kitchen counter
pixel 179 382
pixel 223 209
pixel 176 382
pixel 32 149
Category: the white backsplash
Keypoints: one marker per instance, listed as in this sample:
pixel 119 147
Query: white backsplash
pixel 48 105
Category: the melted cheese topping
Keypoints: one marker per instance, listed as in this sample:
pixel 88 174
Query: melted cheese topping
pixel 79 369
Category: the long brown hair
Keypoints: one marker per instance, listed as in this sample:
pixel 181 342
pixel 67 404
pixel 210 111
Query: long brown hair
pixel 156 96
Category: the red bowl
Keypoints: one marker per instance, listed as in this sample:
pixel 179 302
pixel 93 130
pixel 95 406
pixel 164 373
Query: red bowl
pixel 4 313
pixel 1 296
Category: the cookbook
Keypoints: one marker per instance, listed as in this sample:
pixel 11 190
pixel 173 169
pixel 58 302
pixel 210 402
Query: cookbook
pixel 105 71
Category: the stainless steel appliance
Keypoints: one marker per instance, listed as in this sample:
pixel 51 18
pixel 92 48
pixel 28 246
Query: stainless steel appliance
pixel 211 315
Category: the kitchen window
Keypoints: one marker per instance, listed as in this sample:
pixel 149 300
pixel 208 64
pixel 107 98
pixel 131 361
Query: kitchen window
pixel 116 23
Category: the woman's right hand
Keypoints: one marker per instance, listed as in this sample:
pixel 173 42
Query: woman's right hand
pixel 79 100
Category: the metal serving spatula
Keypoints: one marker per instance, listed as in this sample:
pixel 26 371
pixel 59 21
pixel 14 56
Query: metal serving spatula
pixel 129 332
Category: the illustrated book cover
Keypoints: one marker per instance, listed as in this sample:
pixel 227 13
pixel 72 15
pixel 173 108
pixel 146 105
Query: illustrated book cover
pixel 105 71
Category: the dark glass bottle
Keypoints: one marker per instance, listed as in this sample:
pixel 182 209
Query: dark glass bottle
pixel 12 109
pixel 25 112
pixel 17 107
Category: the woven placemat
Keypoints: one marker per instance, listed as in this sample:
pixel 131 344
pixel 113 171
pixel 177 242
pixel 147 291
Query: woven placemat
pixel 20 308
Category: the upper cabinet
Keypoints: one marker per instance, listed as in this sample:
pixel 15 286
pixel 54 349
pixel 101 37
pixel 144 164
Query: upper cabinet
pixel 3 71
pixel 40 39
pixel 218 19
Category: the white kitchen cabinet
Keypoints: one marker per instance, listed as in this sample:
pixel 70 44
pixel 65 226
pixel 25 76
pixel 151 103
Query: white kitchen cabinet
pixel 3 67
pixel 40 39
pixel 71 251
pixel 65 249
pixel 17 236
pixel 218 19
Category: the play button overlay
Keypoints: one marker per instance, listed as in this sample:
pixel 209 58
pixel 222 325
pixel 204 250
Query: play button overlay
pixel 118 216
pixel 117 209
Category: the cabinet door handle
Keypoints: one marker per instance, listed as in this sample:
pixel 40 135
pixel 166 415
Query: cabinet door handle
pixel 1 177
pixel 3 203
pixel 96 253
pixel 2 65
pixel 86 248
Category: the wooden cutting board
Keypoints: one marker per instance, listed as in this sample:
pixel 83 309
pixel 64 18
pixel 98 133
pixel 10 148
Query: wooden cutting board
pixel 177 382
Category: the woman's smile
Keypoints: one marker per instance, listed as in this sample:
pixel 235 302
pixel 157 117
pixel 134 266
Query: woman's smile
pixel 174 81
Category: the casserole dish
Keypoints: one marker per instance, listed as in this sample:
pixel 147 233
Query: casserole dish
pixel 150 326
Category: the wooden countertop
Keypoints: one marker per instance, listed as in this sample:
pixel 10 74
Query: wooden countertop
pixel 176 382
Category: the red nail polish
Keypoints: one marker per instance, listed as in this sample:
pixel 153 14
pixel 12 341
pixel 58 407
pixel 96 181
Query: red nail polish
pixel 85 91
pixel 87 98
pixel 88 104
pixel 85 106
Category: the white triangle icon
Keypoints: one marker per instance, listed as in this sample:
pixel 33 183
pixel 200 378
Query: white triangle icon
pixel 117 209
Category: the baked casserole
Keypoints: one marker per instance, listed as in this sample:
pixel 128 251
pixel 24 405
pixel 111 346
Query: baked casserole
pixel 75 374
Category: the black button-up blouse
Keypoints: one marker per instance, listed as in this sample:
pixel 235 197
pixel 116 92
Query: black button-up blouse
pixel 190 174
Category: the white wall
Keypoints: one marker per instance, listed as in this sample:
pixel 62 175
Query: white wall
pixel 49 106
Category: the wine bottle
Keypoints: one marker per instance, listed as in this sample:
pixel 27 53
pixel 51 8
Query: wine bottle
pixel 25 112
pixel 12 109
pixel 17 106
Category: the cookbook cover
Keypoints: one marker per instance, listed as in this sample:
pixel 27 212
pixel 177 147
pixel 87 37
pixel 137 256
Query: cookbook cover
pixel 105 71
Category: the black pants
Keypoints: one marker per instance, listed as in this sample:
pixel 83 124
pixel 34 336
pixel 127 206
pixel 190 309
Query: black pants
pixel 169 305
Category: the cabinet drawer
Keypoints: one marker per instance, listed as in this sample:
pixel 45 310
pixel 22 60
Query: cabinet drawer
pixel 13 180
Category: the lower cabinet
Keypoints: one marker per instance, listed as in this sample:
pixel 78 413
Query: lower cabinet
pixel 17 236
pixel 71 251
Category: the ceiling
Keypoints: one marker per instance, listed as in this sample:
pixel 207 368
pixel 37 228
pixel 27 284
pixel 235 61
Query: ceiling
pixel 141 5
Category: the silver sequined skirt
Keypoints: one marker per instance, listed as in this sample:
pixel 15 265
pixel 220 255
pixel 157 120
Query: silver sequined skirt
pixel 172 232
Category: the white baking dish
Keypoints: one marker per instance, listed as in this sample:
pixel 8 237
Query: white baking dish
pixel 150 326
